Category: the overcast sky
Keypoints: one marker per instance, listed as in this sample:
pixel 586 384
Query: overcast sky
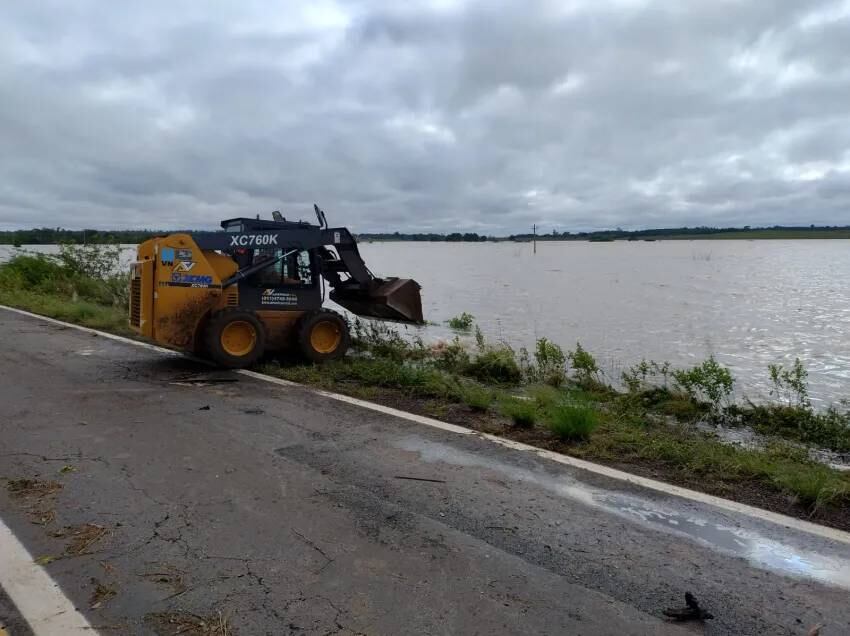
pixel 425 116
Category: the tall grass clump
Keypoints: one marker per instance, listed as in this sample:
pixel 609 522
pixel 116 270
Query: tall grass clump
pixel 572 421
pixel 496 364
pixel 550 363
pixel 584 365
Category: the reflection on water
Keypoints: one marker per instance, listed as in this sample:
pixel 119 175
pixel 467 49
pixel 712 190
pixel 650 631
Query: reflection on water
pixel 751 303
pixel 777 552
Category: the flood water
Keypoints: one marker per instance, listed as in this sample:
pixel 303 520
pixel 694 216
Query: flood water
pixel 750 303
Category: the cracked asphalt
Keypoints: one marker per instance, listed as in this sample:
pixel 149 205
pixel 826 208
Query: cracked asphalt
pixel 196 492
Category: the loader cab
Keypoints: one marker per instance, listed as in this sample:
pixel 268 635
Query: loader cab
pixel 292 283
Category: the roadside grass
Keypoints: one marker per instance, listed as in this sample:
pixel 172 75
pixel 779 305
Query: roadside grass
pixel 79 285
pixel 79 312
pixel 702 459
pixel 587 424
pixel 548 397
pixel 414 380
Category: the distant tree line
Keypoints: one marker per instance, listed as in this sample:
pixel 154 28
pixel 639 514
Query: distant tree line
pixel 775 231
pixel 47 235
pixel 55 235
pixel 454 237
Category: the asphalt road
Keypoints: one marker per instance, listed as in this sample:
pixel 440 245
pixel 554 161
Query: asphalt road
pixel 281 512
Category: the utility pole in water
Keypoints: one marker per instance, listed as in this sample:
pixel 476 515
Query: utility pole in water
pixel 534 237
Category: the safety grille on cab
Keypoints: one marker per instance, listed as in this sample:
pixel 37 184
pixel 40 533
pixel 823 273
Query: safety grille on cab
pixel 135 301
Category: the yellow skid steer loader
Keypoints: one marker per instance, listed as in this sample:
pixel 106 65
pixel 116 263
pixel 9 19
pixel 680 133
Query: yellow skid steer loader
pixel 258 286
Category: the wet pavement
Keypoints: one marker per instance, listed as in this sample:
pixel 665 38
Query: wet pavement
pixel 791 553
pixel 223 497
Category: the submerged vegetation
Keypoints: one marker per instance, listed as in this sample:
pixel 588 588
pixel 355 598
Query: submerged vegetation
pixel 549 397
pixel 462 322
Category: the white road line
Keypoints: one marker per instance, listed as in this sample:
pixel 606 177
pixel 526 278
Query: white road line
pixel 598 469
pixel 35 595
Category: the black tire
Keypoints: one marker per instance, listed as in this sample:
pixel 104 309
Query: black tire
pixel 335 335
pixel 240 323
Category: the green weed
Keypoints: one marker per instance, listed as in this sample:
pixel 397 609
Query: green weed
pixel 572 421
pixel 791 384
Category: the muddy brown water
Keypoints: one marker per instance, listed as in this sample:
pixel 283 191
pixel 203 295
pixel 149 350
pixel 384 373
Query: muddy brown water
pixel 750 303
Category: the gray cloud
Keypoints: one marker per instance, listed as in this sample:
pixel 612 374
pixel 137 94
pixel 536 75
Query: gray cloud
pixel 484 116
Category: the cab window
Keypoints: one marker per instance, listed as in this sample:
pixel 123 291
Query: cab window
pixel 293 270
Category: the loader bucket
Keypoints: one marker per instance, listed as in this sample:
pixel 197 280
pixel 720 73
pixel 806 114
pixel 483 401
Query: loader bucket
pixel 387 299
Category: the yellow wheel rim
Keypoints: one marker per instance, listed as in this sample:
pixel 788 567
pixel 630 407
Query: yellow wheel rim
pixel 238 338
pixel 325 336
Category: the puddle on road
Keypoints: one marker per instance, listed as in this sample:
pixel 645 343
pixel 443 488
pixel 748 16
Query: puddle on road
pixel 716 533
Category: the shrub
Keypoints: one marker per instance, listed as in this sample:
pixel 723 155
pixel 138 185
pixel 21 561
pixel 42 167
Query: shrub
pixel 709 382
pixel 584 364
pixel 550 360
pixel 791 384
pixel 497 364
pixel 34 270
pixel 100 262
pixel 635 377
pixel 70 274
pixel 10 279
pixel 523 413
pixel 572 421
pixel 463 322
